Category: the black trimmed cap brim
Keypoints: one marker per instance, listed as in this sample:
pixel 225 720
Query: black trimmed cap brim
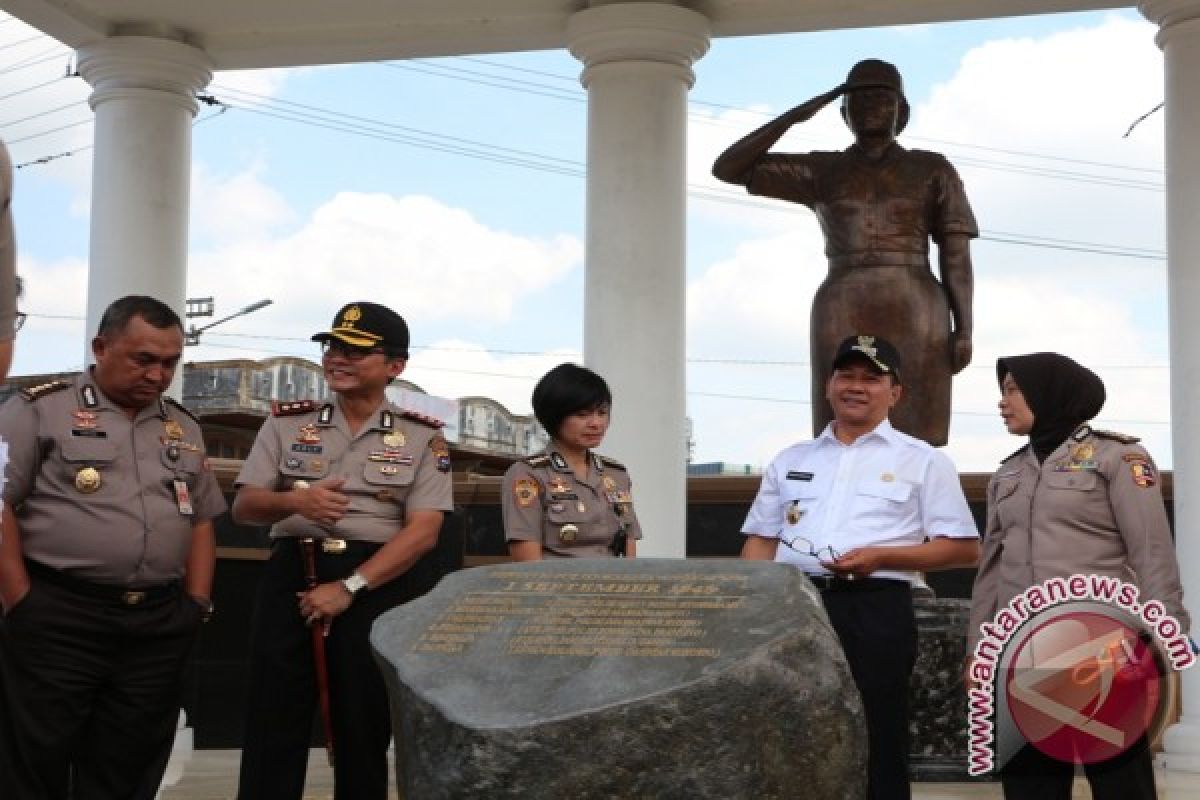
pixel 351 336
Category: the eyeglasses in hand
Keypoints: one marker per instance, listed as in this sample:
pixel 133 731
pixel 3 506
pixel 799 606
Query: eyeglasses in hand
pixel 805 547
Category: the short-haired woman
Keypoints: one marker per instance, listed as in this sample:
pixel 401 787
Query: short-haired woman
pixel 569 501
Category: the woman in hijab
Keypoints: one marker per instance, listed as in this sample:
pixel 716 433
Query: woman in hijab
pixel 1073 501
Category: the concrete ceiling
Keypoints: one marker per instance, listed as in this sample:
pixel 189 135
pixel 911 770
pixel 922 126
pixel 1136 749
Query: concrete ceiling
pixel 264 33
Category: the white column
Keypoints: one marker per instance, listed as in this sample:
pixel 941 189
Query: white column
pixel 141 168
pixel 1179 37
pixel 637 71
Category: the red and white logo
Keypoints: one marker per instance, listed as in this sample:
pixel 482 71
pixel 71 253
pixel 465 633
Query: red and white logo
pixel 1084 686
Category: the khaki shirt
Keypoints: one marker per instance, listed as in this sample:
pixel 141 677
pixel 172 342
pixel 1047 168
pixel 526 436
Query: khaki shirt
pixel 393 465
pixel 544 501
pixel 94 491
pixel 1093 507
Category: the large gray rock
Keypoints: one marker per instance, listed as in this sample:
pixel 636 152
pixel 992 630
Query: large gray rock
pixel 641 678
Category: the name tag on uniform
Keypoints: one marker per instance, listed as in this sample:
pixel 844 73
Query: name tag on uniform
pixel 795 475
pixel 91 433
pixel 183 498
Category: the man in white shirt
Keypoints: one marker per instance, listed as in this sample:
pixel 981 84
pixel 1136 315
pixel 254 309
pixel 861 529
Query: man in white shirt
pixel 862 510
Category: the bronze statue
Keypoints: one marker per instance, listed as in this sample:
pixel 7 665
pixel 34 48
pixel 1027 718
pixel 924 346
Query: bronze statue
pixel 878 205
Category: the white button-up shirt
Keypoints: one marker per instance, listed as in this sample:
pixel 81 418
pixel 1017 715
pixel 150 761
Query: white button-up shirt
pixel 886 489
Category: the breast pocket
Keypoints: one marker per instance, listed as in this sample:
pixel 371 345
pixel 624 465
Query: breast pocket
pixel 302 467
pixel 800 500
pixel 1010 506
pixel 388 476
pixel 882 499
pixel 185 465
pixel 87 462
pixel 1072 481
pixel 567 526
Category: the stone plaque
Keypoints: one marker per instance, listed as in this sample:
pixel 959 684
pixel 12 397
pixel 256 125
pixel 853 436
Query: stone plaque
pixel 616 678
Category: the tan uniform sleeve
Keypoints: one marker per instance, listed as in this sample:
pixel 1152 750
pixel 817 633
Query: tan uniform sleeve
pixel 1135 494
pixel 635 527
pixel 19 423
pixel 432 489
pixel 521 504
pixel 8 250
pixel 261 467
pixel 984 593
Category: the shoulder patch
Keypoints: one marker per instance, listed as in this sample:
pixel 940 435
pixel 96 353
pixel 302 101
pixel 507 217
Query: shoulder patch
pixel 1123 438
pixel 1014 454
pixel 608 462
pixel 537 461
pixel 416 416
pixel 41 390
pixel 292 408
pixel 176 404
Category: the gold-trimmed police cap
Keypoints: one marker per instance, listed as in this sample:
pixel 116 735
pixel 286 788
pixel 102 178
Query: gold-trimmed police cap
pixel 366 324
pixel 876 350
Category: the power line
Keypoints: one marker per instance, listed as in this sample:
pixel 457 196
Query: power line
pixel 28 89
pixel 383 130
pixel 47 112
pixel 55 52
pixel 517 85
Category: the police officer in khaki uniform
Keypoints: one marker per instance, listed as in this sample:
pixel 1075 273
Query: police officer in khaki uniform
pixel 1074 500
pixel 370 482
pixel 569 501
pixel 106 564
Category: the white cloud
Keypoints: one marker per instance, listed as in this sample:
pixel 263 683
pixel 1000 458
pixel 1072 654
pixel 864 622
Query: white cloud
pixel 237 207
pixel 413 253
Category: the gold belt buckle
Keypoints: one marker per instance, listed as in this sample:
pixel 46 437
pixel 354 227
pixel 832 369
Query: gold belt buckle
pixel 333 546
pixel 133 598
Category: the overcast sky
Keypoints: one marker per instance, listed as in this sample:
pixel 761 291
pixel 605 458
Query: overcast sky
pixel 452 190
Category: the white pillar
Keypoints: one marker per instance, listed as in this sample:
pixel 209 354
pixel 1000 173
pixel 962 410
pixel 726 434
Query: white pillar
pixel 141 168
pixel 1179 38
pixel 637 71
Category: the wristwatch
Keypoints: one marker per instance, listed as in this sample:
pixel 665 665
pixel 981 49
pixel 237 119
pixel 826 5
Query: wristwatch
pixel 354 583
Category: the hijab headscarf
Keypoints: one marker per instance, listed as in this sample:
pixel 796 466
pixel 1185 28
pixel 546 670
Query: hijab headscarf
pixel 1061 394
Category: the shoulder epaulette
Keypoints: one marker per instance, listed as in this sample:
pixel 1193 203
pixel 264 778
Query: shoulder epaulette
pixel 608 462
pixel 538 461
pixel 181 407
pixel 41 390
pixel 1123 438
pixel 1014 454
pixel 417 416
pixel 291 409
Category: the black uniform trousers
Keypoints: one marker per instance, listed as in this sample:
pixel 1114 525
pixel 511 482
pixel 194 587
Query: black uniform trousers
pixel 1033 775
pixel 283 685
pixel 90 688
pixel 874 621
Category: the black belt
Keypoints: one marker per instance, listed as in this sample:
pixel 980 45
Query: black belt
pixel 121 595
pixel 332 547
pixel 836 583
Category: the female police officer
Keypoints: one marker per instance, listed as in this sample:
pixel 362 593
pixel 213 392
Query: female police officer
pixel 568 501
pixel 1073 501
